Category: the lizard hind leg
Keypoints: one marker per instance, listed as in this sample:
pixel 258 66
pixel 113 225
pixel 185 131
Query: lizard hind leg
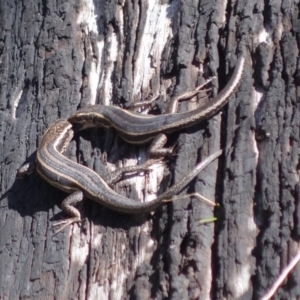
pixel 156 149
pixel 68 206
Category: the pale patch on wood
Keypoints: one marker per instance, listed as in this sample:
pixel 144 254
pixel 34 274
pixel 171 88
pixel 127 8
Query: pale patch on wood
pixel 94 77
pixel 263 37
pixel 157 32
pixel 88 16
pixel 258 96
pixel 241 281
pixel 15 102
pixel 223 11
pixel 112 53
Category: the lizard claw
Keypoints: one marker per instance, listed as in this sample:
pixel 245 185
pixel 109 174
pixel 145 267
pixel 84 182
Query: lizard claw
pixel 65 223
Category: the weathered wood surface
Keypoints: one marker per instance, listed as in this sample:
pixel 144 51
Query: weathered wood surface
pixel 56 56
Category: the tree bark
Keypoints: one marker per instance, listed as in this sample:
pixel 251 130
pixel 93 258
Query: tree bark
pixel 57 56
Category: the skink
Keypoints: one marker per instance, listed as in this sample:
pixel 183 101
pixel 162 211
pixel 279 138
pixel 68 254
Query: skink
pixel 138 128
pixel 81 181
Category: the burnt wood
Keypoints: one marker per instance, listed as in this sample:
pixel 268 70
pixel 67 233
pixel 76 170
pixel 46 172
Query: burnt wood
pixel 58 56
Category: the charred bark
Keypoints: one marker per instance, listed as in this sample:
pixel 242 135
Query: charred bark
pixel 57 56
